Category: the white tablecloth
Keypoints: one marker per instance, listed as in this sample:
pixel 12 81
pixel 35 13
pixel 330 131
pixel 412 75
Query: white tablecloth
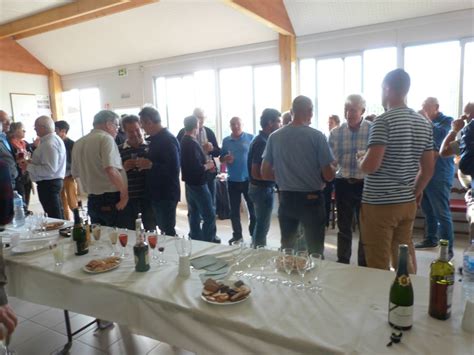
pixel 350 316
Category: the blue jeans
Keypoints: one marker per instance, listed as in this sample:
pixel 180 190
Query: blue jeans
pixel 128 216
pixel 101 208
pixel 165 214
pixel 199 201
pixel 262 198
pixel 236 190
pixel 435 206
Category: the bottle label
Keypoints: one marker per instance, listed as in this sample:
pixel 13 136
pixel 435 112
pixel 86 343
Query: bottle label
pixel 449 297
pixel 400 316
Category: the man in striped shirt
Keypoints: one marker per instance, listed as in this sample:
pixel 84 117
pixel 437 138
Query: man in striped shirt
pixel 345 141
pixel 399 163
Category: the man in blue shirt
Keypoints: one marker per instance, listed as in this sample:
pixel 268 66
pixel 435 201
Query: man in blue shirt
pixel 435 202
pixel 235 150
pixel 299 159
pixel 162 185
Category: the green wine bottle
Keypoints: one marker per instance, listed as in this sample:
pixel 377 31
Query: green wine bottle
pixel 79 235
pixel 400 309
pixel 441 284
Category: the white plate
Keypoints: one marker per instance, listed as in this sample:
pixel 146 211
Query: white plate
pixel 85 269
pixel 24 248
pixel 228 303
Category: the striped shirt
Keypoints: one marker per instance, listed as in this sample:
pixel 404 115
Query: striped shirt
pixel 345 143
pixel 136 178
pixel 405 135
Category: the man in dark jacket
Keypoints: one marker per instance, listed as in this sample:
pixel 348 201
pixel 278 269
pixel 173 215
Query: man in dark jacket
pixel 195 166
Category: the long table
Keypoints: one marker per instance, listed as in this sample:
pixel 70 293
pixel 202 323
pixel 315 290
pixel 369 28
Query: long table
pixel 349 316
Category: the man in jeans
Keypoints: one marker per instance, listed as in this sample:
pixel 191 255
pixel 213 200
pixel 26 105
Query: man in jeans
pixel 260 190
pixel 235 150
pixel 133 152
pixel 194 166
pixel 299 159
pixel 96 162
pixel 399 163
pixel 345 141
pixel 435 202
pixel 48 167
pixel 163 178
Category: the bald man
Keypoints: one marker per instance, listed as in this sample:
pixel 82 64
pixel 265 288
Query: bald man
pixel 435 202
pixel 299 159
pixel 6 151
pixel 48 167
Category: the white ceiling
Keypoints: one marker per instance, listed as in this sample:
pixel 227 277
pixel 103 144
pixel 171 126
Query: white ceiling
pixel 161 30
pixel 175 27
pixel 14 9
pixel 316 16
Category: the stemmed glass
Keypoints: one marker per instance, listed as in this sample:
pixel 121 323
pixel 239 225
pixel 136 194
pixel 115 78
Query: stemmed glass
pixel 43 223
pixel 260 251
pixel 288 264
pixel 5 343
pixel 316 263
pixel 113 236
pixel 152 239
pixel 302 262
pixel 96 233
pixel 161 248
pixel 123 238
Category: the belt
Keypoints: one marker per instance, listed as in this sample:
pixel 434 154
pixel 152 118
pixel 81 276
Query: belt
pixel 353 181
pixel 308 195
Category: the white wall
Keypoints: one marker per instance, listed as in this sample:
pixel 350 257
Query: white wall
pixel 20 83
pixel 139 82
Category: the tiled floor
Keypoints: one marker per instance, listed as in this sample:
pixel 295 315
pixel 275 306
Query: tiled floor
pixel 42 329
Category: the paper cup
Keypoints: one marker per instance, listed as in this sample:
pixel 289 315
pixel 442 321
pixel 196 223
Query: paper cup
pixel 468 317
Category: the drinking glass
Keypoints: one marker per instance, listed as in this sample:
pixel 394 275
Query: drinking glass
pixel 113 236
pixel 261 254
pixel 152 239
pixel 288 264
pixel 183 246
pixel 5 343
pixel 57 250
pixel 161 249
pixel 316 263
pixel 237 247
pixel 43 223
pixel 302 263
pixel 123 238
pixel 272 265
pixel 96 233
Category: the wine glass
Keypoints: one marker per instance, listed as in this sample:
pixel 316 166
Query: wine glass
pixel 272 265
pixel 113 236
pixel 152 239
pixel 96 233
pixel 43 223
pixel 316 263
pixel 260 250
pixel 5 343
pixel 161 249
pixel 288 264
pixel 302 263
pixel 123 238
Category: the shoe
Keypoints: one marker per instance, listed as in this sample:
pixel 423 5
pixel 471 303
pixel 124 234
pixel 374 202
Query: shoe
pixel 217 240
pixel 425 244
pixel 234 240
pixel 104 324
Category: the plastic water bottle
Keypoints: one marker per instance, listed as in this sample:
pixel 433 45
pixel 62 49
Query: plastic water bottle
pixel 468 272
pixel 19 212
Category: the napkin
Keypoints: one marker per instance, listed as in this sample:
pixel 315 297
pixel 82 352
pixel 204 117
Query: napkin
pixel 203 261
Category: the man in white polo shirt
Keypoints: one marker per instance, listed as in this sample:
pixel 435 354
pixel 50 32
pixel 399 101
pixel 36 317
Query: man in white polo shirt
pixel 97 163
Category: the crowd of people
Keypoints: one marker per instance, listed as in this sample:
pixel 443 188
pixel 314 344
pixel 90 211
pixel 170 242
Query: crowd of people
pixel 380 168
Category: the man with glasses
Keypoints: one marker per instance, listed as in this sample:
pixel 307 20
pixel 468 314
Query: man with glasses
pixel 96 161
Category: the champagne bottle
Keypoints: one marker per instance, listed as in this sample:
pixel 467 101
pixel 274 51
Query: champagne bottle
pixel 88 231
pixel 441 284
pixel 400 309
pixel 79 235
pixel 140 249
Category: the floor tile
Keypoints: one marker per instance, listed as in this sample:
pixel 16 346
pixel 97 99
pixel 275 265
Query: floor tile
pixel 166 349
pixel 49 318
pixel 27 309
pixel 25 331
pixel 20 319
pixel 132 344
pixel 42 344
pixel 78 321
pixel 79 348
pixel 103 339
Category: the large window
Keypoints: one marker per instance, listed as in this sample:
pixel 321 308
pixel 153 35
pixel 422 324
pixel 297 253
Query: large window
pixel 267 83
pixel 127 111
pixel 377 63
pixel 236 97
pixel 468 82
pixel 434 70
pixel 79 109
pixel 307 78
pixel 178 96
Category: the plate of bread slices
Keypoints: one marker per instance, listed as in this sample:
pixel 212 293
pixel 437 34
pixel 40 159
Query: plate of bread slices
pixel 225 293
pixel 98 266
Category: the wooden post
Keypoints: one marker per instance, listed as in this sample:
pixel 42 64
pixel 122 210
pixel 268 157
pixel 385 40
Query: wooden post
pixel 55 92
pixel 287 50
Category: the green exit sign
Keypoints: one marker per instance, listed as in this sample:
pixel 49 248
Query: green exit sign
pixel 122 72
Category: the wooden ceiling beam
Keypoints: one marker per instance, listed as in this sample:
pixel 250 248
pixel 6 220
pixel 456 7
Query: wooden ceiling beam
pixel 270 12
pixel 76 12
pixel 15 58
